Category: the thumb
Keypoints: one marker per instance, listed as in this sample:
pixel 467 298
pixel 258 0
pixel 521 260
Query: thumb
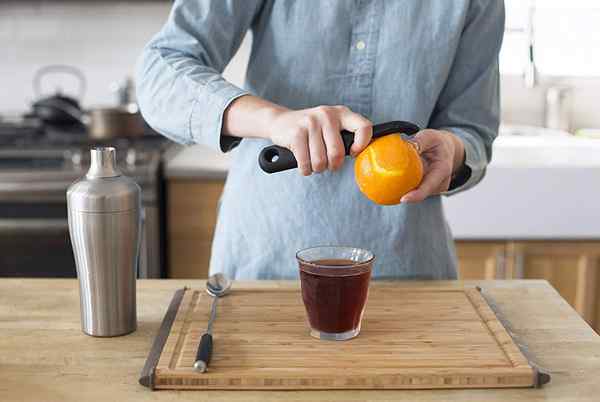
pixel 360 126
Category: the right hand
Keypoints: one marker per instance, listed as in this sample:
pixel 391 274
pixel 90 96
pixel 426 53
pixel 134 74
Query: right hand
pixel 313 135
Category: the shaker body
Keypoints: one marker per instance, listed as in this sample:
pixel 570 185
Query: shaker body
pixel 106 248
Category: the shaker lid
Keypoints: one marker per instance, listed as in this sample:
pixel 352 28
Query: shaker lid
pixel 103 163
pixel 104 188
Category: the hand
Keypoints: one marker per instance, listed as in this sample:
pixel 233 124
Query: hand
pixel 443 153
pixel 313 135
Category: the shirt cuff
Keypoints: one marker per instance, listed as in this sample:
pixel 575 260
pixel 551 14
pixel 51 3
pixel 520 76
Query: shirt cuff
pixel 206 118
pixel 475 159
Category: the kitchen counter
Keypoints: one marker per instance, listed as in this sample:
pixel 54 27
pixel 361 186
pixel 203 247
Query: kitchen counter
pixel 540 184
pixel 45 357
pixel 515 147
pixel 195 161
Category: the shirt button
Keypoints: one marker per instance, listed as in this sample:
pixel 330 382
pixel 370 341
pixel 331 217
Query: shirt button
pixel 360 45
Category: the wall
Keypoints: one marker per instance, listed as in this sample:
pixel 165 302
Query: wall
pixel 521 105
pixel 105 38
pixel 102 38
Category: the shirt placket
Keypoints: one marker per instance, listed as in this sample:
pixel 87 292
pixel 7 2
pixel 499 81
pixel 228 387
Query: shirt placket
pixel 362 56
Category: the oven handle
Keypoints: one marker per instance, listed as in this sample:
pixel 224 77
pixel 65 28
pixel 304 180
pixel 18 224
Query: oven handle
pixel 24 226
pixel 49 191
pixel 39 192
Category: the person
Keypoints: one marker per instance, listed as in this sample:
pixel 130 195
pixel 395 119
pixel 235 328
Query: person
pixel 316 68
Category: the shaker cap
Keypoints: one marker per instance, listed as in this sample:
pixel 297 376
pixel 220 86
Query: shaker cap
pixel 104 188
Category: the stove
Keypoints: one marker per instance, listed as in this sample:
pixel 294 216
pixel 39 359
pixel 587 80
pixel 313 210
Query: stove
pixel 37 165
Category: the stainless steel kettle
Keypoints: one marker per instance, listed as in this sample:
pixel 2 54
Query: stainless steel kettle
pixel 104 209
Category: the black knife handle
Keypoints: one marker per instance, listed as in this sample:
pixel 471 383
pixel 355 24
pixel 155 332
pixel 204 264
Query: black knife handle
pixel 274 158
pixel 204 353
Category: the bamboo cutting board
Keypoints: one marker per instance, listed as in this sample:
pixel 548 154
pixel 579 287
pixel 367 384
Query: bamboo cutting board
pixel 410 338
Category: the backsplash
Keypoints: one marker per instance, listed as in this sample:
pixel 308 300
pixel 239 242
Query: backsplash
pixel 104 39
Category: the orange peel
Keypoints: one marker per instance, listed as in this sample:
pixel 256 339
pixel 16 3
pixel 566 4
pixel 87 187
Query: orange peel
pixel 387 169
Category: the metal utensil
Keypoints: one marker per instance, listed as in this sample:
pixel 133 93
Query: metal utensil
pixel 102 123
pixel 112 122
pixel 274 158
pixel 59 109
pixel 218 285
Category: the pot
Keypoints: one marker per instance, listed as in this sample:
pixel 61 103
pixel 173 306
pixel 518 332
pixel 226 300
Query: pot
pixel 65 111
pixel 121 121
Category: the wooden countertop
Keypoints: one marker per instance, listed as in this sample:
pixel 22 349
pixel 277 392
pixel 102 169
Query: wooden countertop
pixel 44 356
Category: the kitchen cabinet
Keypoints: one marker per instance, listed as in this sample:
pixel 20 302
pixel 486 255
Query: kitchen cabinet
pixel 481 260
pixel 191 216
pixel 571 267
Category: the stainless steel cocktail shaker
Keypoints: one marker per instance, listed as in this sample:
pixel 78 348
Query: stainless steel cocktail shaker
pixel 105 224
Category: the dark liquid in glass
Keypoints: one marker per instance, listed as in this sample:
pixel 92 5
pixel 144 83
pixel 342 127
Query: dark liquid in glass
pixel 335 295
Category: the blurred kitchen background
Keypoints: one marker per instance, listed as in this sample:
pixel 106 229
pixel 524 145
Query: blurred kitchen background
pixel 536 214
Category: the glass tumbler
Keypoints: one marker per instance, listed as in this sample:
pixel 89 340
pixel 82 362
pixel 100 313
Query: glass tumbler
pixel 335 285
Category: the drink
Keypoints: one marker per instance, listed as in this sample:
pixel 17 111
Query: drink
pixel 335 289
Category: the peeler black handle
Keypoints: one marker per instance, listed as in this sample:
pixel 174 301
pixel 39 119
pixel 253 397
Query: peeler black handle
pixel 274 158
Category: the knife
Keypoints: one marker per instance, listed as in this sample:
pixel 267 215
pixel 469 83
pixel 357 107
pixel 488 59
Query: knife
pixel 274 158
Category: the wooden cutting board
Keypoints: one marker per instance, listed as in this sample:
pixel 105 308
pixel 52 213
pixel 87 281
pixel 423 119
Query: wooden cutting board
pixel 410 338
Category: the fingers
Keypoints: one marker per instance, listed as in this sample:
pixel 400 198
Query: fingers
pixel 362 138
pixel 359 125
pixel 425 139
pixel 437 157
pixel 333 143
pixel 316 145
pixel 313 135
pixel 326 147
pixel 432 183
pixel 299 147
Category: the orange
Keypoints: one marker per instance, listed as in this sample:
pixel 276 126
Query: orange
pixel 388 168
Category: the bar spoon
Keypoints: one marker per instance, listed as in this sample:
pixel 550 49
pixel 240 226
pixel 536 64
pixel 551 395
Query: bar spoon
pixel 218 285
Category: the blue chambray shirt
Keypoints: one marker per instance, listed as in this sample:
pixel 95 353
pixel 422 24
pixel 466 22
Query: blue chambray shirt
pixel 432 62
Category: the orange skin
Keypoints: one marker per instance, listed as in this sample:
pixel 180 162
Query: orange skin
pixel 387 169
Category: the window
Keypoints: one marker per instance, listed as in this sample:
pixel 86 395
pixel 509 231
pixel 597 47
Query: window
pixel 566 37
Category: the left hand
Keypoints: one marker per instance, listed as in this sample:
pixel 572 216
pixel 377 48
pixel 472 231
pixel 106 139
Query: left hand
pixel 442 153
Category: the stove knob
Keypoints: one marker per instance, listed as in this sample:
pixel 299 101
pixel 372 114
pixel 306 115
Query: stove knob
pixel 131 157
pixel 76 157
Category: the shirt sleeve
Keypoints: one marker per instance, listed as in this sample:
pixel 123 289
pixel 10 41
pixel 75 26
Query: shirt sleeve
pixel 469 104
pixel 180 89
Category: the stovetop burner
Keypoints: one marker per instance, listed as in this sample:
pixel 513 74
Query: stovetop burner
pixel 16 129
pixel 31 133
pixel 27 145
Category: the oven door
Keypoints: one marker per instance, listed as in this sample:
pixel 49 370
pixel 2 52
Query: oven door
pixel 35 242
pixel 37 245
pixel 34 231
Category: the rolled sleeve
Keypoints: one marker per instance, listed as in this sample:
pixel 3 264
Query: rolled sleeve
pixel 206 119
pixel 180 89
pixel 469 104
